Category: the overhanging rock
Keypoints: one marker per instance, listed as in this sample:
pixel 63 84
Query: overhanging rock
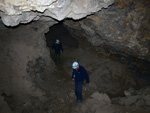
pixel 24 11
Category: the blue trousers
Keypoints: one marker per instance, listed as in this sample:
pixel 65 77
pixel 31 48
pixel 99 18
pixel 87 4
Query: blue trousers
pixel 78 90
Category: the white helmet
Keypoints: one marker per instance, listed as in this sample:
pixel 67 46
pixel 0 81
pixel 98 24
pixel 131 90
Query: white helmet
pixel 75 65
pixel 57 41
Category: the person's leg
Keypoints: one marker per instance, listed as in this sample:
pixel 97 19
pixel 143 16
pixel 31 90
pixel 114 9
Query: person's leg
pixel 78 90
pixel 59 58
pixel 55 58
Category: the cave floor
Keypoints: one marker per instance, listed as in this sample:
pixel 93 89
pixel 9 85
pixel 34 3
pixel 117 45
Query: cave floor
pixel 59 89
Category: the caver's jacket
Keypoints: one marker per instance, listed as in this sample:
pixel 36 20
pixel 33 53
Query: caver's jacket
pixel 57 47
pixel 80 74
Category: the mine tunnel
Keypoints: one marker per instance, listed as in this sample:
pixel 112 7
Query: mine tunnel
pixel 109 38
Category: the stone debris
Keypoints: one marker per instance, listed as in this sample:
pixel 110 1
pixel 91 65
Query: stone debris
pixel 99 103
pixel 4 108
pixel 140 98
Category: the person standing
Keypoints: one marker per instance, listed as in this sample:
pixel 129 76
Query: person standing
pixel 79 74
pixel 57 49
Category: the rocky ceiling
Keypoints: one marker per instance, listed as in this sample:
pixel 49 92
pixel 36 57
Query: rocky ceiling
pixel 14 12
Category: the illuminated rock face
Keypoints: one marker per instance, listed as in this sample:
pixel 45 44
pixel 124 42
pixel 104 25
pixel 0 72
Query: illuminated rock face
pixel 24 11
pixel 123 27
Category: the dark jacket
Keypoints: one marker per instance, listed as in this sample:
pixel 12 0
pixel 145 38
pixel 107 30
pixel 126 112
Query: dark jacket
pixel 57 47
pixel 80 75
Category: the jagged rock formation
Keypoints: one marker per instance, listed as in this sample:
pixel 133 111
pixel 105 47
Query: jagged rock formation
pixel 123 27
pixel 24 11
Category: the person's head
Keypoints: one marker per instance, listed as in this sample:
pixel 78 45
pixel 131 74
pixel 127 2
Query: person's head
pixel 75 65
pixel 57 41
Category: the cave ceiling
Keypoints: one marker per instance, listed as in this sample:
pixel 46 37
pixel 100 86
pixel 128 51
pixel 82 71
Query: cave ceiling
pixel 14 12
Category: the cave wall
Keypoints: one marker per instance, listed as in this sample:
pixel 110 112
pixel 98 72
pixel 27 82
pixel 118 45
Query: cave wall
pixel 20 47
pixel 122 27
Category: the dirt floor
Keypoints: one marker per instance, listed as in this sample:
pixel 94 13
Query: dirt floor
pixel 59 88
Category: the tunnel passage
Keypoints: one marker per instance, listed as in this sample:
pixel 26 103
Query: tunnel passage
pixel 59 31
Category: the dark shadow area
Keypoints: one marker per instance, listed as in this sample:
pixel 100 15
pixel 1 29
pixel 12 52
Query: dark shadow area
pixel 59 31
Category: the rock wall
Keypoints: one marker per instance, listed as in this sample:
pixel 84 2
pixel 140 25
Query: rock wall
pixel 122 27
pixel 20 47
